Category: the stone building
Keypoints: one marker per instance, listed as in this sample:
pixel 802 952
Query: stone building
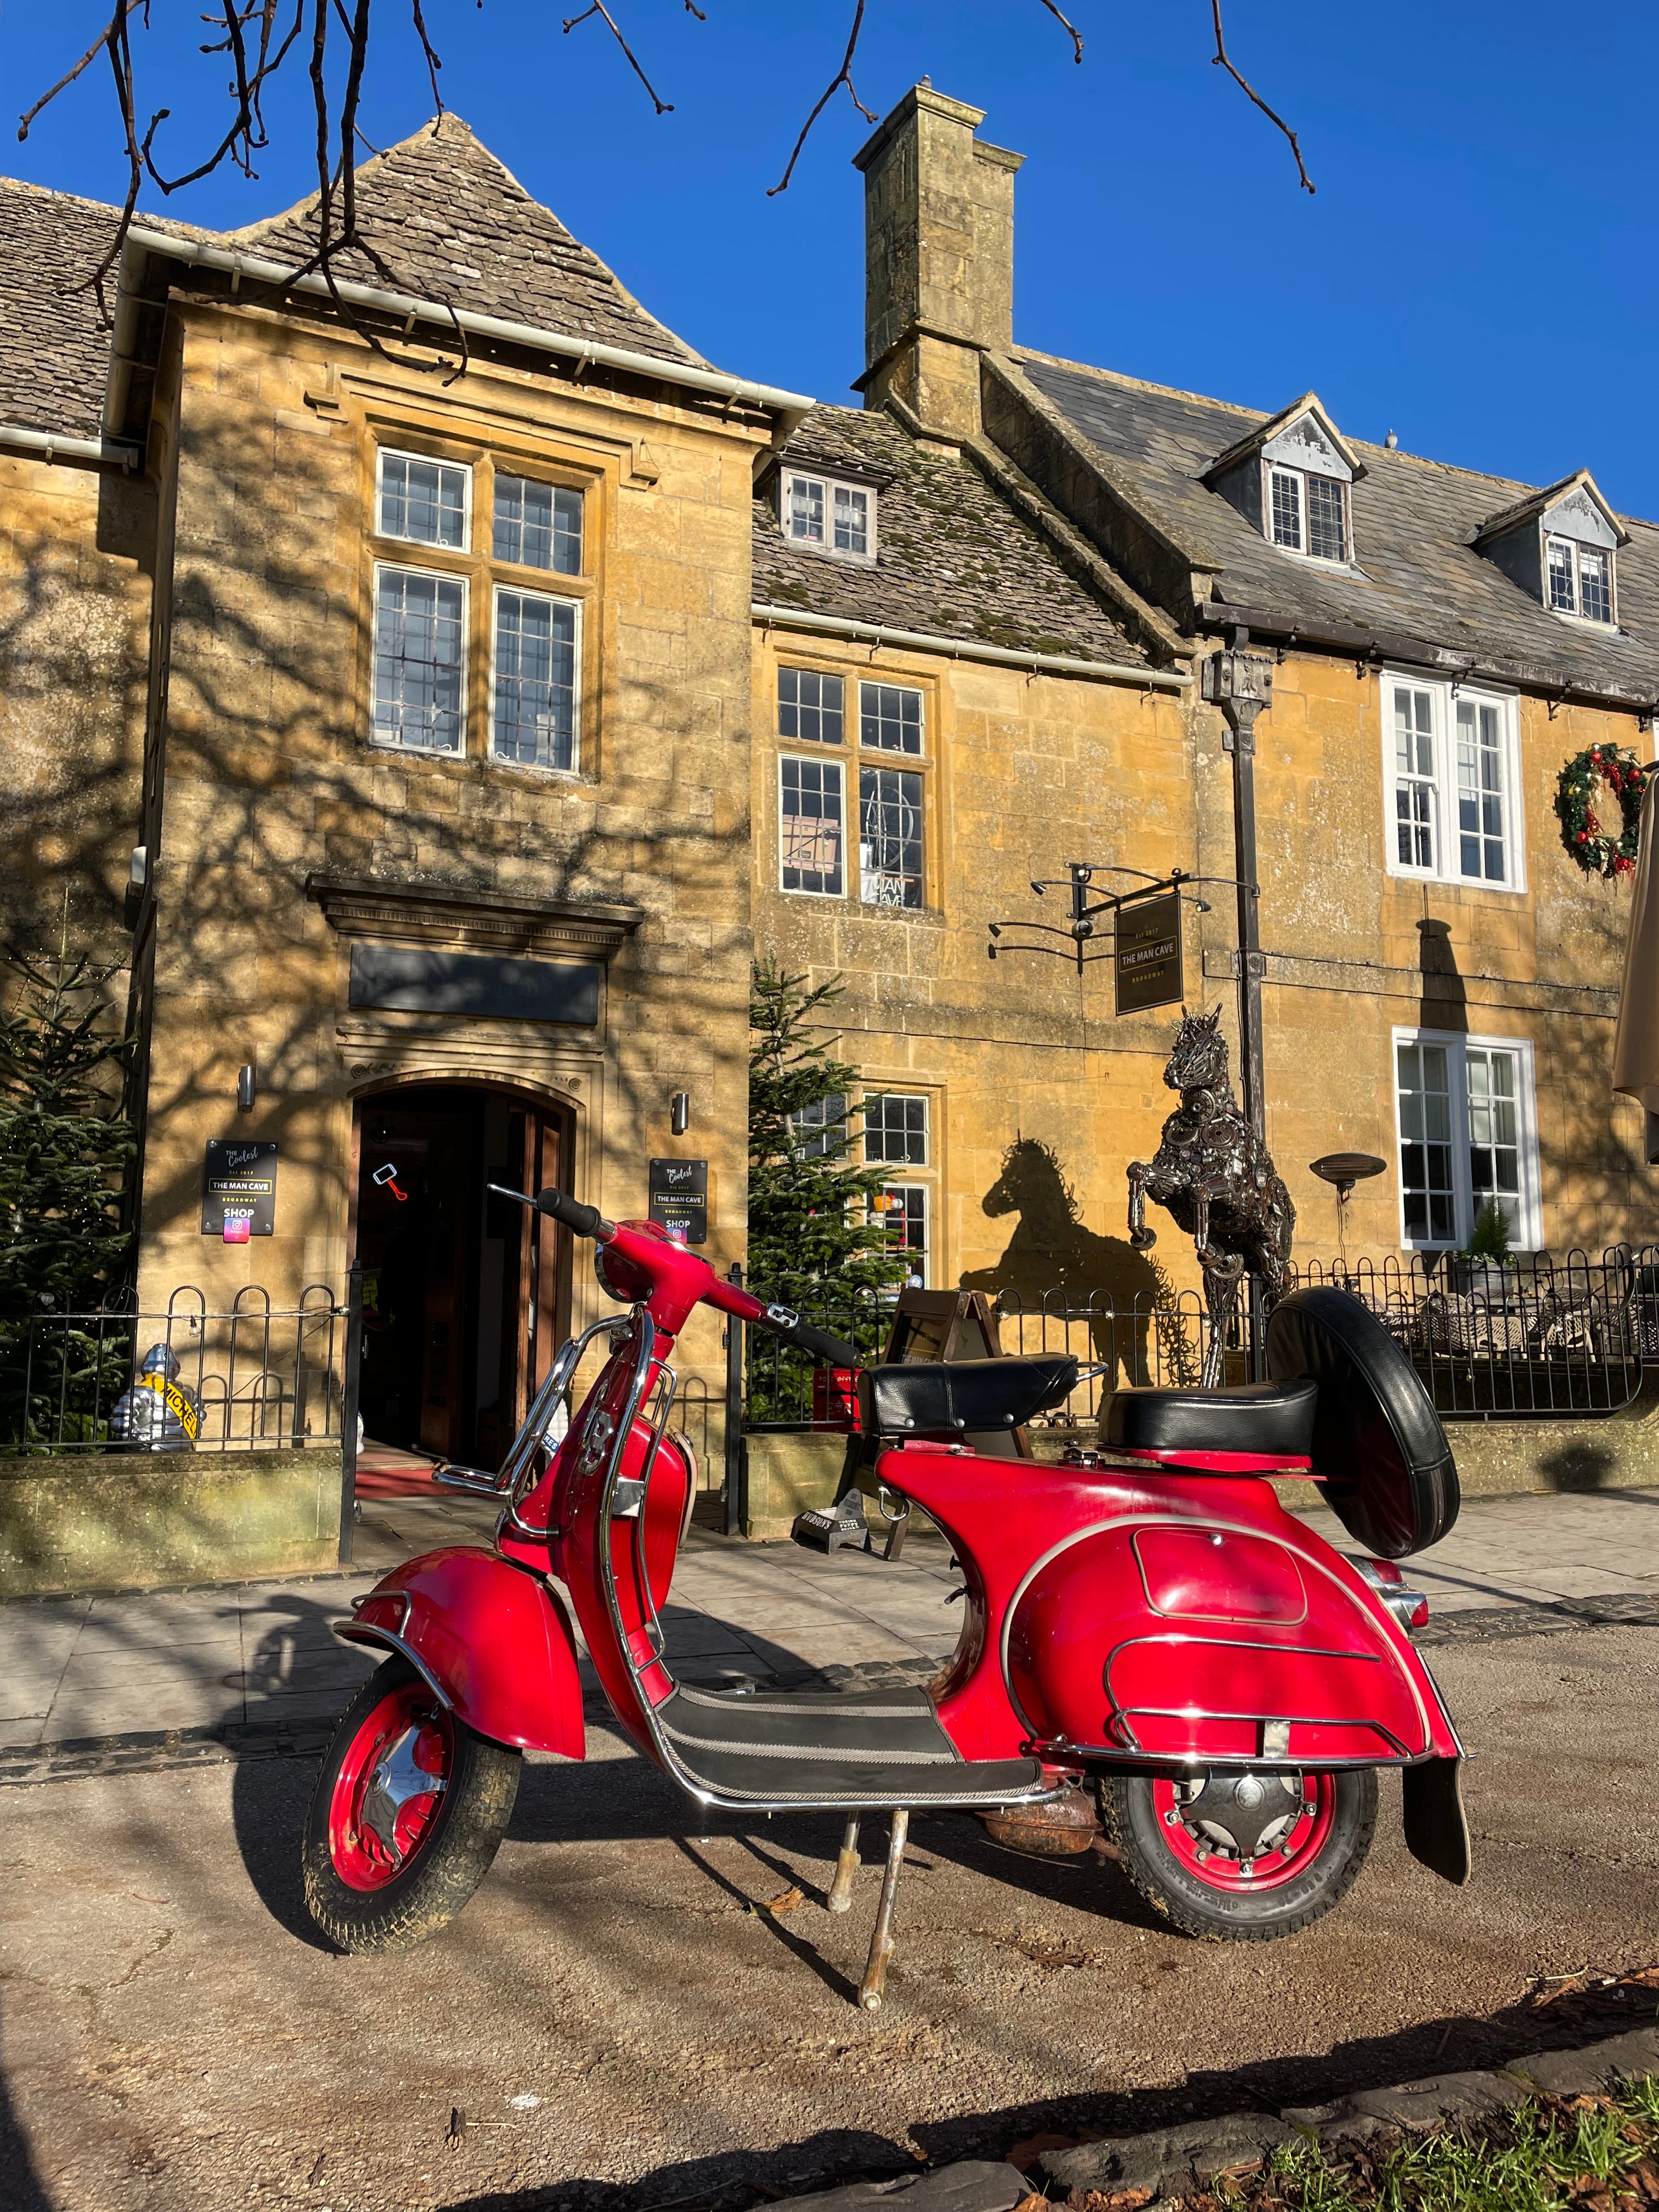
pixel 1439 978
pixel 433 694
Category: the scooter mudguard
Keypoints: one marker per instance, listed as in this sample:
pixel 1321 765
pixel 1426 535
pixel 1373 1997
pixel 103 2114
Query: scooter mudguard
pixel 493 1641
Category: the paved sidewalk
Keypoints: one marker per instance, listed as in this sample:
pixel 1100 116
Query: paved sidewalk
pixel 263 1655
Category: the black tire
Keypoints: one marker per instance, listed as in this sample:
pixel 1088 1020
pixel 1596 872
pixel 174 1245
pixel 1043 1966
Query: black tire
pixel 1132 1820
pixel 454 1851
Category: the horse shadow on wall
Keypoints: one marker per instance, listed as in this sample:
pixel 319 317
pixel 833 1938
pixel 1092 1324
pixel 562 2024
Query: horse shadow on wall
pixel 1055 1270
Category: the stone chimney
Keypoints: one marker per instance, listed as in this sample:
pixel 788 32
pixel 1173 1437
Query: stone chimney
pixel 938 246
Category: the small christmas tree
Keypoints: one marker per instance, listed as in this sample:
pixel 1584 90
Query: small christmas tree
pixel 816 1240
pixel 64 1158
pixel 1491 1237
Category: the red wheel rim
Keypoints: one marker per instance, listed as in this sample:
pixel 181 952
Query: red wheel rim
pixel 379 1814
pixel 1198 1850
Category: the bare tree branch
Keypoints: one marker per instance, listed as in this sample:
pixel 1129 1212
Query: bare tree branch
pixel 1220 60
pixel 85 61
pixel 843 77
pixel 1065 24
pixel 598 7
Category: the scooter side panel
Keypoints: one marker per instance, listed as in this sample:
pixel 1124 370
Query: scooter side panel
pixel 492 1637
pixel 1120 1642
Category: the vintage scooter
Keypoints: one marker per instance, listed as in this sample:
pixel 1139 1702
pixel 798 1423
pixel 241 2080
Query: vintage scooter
pixel 1154 1654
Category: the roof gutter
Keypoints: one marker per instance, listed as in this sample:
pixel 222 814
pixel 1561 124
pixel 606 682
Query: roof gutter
pixel 967 648
pixel 57 445
pixel 789 406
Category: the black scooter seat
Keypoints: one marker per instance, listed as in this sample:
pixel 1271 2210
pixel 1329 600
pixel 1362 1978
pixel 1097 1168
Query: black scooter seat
pixel 935 1397
pixel 1261 1418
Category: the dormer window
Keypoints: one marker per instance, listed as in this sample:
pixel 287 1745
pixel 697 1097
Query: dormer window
pixel 1580 581
pixel 831 516
pixel 1310 514
pixel 1291 478
pixel 1561 546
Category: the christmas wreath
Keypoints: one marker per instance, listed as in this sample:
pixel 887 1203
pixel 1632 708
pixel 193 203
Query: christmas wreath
pixel 1597 853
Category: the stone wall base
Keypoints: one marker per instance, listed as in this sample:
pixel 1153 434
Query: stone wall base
pixel 791 1471
pixel 90 1520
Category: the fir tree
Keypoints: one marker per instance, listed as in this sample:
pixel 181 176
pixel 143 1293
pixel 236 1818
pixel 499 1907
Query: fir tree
pixel 815 1241
pixel 64 1152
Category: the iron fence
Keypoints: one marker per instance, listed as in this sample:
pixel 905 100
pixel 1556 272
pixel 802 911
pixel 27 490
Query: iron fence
pixel 1515 1338
pixel 1492 1341
pixel 253 1378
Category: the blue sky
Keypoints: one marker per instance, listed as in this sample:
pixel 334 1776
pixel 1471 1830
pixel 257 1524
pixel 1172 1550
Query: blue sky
pixel 1477 269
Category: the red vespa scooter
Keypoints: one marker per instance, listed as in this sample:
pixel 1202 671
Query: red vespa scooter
pixel 1150 1642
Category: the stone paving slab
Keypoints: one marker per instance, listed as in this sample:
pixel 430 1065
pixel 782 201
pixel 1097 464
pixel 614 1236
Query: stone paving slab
pixel 224 1658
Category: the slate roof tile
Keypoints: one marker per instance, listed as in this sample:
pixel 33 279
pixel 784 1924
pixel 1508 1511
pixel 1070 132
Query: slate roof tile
pixel 952 559
pixel 450 222
pixel 446 219
pixel 1416 574
pixel 54 344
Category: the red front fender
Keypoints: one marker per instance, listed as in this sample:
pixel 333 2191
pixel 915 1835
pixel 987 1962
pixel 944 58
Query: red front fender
pixel 492 1639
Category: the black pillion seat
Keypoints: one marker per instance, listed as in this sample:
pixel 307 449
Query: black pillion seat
pixel 1274 1418
pixel 940 1398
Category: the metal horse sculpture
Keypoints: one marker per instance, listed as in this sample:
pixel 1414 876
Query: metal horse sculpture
pixel 1215 1175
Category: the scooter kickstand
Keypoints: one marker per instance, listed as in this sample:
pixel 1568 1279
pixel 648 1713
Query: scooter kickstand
pixel 870 1989
pixel 841 1890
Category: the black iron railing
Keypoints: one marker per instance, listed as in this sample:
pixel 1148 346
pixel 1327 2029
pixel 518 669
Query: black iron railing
pixel 1515 1341
pixel 253 1378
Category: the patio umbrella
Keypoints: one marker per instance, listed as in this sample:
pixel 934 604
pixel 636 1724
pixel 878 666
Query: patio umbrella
pixel 1636 1042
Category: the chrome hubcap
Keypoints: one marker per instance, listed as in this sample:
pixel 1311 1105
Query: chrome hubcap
pixel 398 1779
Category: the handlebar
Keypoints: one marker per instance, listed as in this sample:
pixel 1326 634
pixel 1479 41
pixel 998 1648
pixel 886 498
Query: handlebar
pixel 584 1220
pixel 727 1297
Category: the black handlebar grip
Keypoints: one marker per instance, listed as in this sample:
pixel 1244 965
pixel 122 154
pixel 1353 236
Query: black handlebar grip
pixel 828 1351
pixel 585 1220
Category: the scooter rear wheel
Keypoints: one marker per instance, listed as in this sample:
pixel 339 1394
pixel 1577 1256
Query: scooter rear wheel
pixel 409 1811
pixel 1244 1858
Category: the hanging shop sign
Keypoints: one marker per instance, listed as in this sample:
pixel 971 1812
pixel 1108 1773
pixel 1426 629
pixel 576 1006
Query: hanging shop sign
pixel 679 1195
pixel 1148 953
pixel 239 1189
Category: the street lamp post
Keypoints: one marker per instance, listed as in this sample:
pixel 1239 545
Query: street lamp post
pixel 1241 684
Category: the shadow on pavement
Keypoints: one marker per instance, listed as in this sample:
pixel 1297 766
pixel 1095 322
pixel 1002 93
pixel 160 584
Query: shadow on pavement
pixel 22 2191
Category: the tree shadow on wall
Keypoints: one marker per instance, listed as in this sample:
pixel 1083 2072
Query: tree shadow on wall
pixel 1054 1268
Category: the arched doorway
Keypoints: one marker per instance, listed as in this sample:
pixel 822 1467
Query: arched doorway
pixel 466 1296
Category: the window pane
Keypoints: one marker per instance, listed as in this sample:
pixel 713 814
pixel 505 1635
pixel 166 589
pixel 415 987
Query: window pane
pixel 809 825
pixel 418 643
pixel 803 510
pixel 1426 1177
pixel 1327 528
pixel 425 500
pixel 902 1208
pixel 890 837
pixel 1480 792
pixel 1595 598
pixel 896 1129
pixel 538 525
pixel 821 1128
pixel 851 521
pixel 535 680
pixel 811 706
pixel 1561 590
pixel 1494 1130
pixel 891 717
pixel 1287 510
pixel 1415 798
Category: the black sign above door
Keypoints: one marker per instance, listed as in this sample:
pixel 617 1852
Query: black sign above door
pixel 1148 957
pixel 239 1189
pixel 678 1195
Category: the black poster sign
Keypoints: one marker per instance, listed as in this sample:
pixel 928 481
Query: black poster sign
pixel 239 1189
pixel 679 1195
pixel 1149 953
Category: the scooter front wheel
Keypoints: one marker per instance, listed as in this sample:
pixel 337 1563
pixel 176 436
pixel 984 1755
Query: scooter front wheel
pixel 409 1811
pixel 1244 1857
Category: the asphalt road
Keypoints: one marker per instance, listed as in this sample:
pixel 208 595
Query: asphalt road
pixel 620 2027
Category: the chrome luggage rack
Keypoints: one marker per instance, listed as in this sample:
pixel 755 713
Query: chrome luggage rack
pixel 517 1473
